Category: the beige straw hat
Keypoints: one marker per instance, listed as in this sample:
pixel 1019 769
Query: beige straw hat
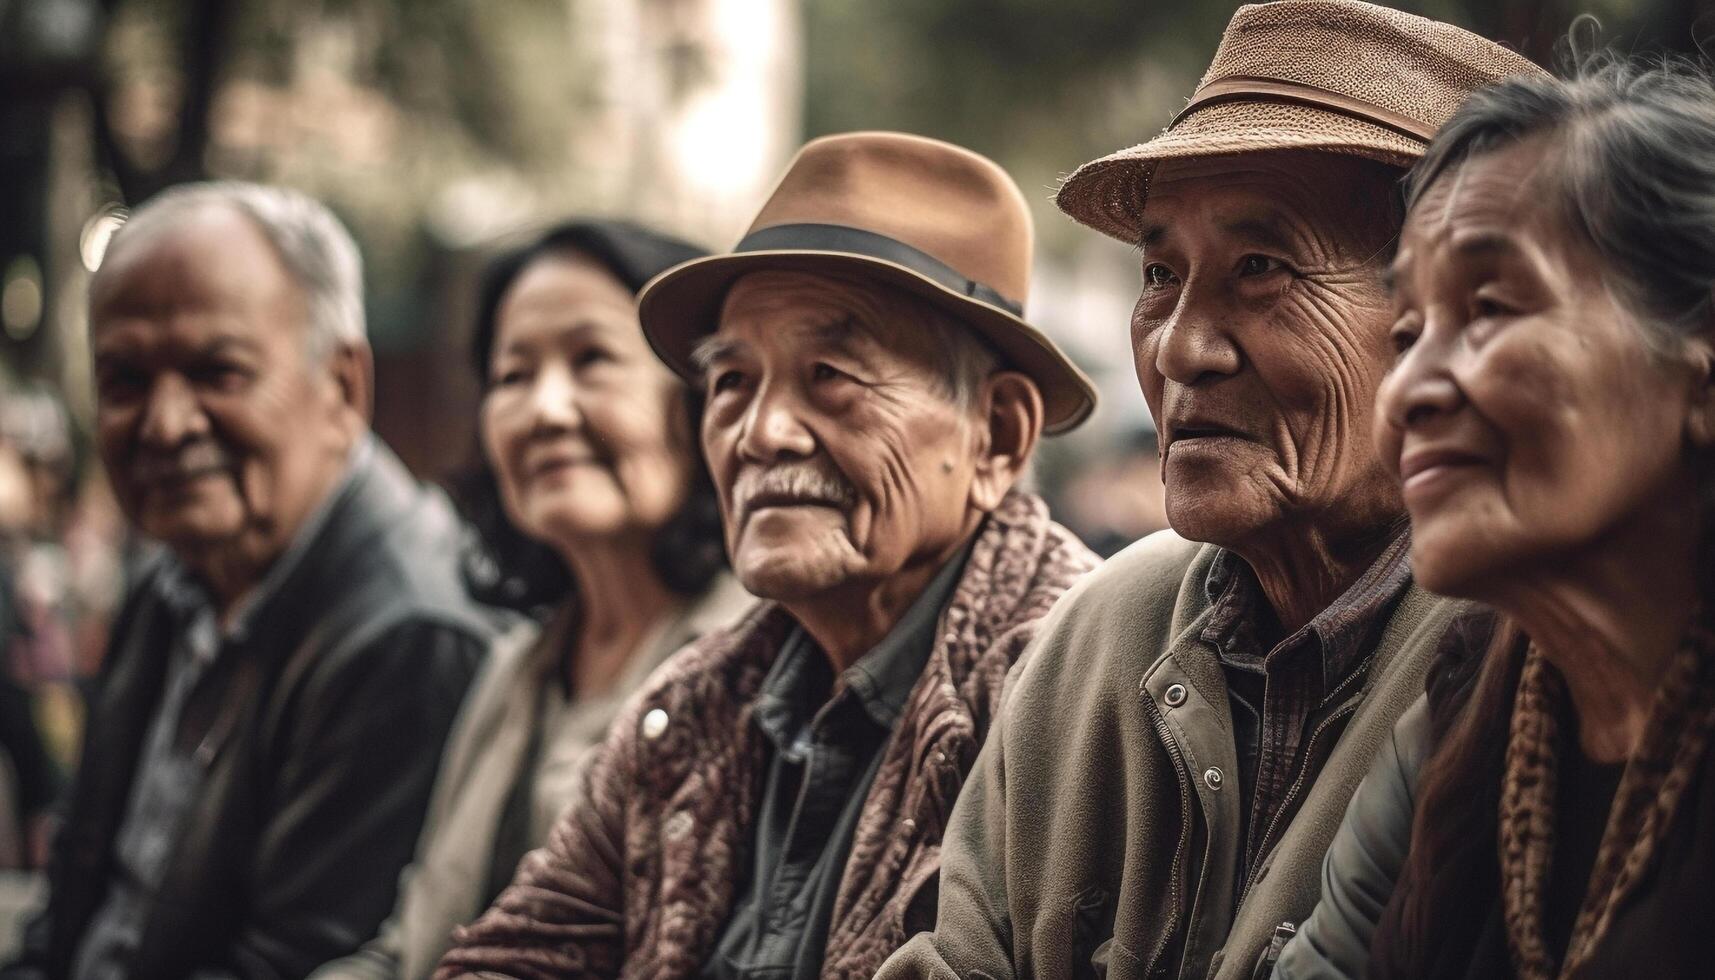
pixel 1334 75
pixel 933 219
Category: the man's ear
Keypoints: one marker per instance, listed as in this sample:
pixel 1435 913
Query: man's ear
pixel 352 367
pixel 1700 422
pixel 1011 424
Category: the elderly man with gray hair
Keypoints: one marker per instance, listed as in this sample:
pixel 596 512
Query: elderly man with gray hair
pixel 272 704
pixel 771 803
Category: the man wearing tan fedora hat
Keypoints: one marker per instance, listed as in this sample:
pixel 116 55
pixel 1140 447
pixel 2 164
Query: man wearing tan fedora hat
pixel 1179 745
pixel 772 803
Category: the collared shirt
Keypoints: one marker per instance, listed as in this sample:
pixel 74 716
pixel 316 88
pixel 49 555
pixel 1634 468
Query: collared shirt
pixel 823 754
pixel 1291 702
pixel 168 775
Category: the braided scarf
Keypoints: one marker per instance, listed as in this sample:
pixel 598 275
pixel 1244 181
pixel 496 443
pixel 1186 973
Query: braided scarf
pixel 1656 775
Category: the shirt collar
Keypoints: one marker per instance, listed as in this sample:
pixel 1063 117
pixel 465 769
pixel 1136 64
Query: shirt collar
pixel 881 681
pixel 1343 631
pixel 191 602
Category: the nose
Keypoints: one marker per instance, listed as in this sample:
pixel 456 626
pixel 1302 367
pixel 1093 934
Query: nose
pixel 1421 386
pixel 172 415
pixel 1192 347
pixel 774 429
pixel 554 401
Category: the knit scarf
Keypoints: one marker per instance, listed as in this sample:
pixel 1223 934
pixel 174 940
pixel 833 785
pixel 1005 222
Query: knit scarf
pixel 1666 759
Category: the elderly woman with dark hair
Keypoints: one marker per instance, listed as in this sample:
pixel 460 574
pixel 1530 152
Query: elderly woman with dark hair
pixel 598 517
pixel 1552 416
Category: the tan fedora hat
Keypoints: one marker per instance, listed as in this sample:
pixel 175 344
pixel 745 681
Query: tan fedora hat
pixel 933 219
pixel 1334 75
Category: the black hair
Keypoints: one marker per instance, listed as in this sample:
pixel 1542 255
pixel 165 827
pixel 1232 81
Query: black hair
pixel 506 567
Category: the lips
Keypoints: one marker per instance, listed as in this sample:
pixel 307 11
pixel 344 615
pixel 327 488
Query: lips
pixel 1427 461
pixel 557 452
pixel 549 462
pixel 1197 428
pixel 194 462
pixel 766 500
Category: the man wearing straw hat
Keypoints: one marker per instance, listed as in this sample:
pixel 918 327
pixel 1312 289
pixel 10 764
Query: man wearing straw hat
pixel 772 803
pixel 1180 744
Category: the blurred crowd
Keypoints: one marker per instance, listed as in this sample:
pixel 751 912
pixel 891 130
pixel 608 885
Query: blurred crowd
pixel 752 643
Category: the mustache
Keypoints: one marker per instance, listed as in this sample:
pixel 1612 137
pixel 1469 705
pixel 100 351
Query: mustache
pixel 188 460
pixel 791 483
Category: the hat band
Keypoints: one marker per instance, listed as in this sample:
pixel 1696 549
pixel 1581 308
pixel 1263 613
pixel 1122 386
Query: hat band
pixel 856 241
pixel 1256 88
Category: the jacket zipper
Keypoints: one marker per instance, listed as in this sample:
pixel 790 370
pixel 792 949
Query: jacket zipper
pixel 1298 783
pixel 1174 882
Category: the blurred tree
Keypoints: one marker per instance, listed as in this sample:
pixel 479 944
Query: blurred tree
pixel 1043 86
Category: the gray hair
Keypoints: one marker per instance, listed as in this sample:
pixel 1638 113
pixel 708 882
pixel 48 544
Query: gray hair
pixel 1636 178
pixel 968 359
pixel 1636 181
pixel 315 248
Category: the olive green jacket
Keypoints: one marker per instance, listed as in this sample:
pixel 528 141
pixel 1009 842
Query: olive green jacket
pixel 1097 835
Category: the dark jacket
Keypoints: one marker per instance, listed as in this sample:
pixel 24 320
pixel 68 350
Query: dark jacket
pixel 1654 927
pixel 640 875
pixel 1363 862
pixel 319 738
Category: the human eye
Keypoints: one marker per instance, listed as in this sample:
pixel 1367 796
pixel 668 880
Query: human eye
pixel 220 375
pixel 1488 307
pixel 1158 276
pixel 591 356
pixel 117 382
pixel 507 376
pixel 725 379
pixel 1404 333
pixel 1259 265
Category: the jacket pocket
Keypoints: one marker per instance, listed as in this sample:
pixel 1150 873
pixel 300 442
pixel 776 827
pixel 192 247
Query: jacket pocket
pixel 1114 961
pixel 1092 933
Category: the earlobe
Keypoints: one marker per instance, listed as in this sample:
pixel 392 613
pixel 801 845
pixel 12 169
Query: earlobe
pixel 1012 425
pixel 353 369
pixel 1700 422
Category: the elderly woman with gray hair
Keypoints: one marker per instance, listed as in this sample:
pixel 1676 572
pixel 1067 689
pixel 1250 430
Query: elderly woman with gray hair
pixel 1552 416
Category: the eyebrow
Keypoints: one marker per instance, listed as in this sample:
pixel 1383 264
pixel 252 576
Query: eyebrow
pixel 838 334
pixel 547 338
pixel 1267 231
pixel 220 345
pixel 712 349
pixel 1484 243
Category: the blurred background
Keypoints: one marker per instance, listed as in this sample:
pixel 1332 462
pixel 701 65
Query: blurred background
pixel 439 129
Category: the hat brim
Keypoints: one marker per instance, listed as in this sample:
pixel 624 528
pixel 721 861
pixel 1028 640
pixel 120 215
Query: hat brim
pixel 682 305
pixel 1109 194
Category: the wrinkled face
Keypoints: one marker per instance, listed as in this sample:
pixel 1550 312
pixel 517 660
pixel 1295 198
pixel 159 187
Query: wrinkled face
pixel 217 426
pixel 837 453
pixel 1525 414
pixel 584 427
pixel 1260 336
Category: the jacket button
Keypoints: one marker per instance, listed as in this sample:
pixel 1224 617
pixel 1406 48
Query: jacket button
pixel 910 825
pixel 678 825
pixel 940 758
pixel 1175 695
pixel 1212 778
pixel 654 723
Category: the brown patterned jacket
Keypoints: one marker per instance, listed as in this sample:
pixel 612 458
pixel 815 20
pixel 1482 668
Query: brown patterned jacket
pixel 639 876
